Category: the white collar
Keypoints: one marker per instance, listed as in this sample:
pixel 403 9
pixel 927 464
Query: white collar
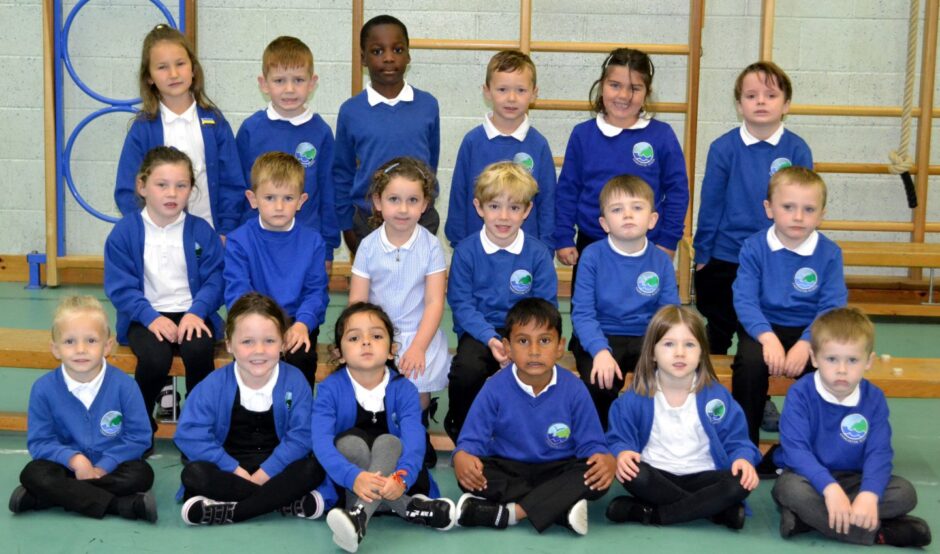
pixel 146 217
pixel 491 247
pixel 260 399
pixel 609 130
pixel 528 389
pixel 72 385
pixel 636 254
pixel 389 247
pixel 750 139
pixel 849 401
pixel 296 121
pixel 805 248
pixel 372 400
pixel 169 116
pixel 407 94
pixel 291 228
pixel 492 132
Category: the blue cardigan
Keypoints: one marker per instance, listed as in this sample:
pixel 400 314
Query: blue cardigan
pixel 223 170
pixel 124 273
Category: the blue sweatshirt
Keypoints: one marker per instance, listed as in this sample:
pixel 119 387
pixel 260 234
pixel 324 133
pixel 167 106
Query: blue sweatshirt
pixel 113 431
pixel 312 144
pixel 482 287
pixel 631 422
pixel 223 170
pixel 287 266
pixel 817 438
pixel 734 190
pixel 476 152
pixel 124 273
pixel 368 136
pixel 652 153
pixel 558 424
pixel 624 306
pixel 334 412
pixel 784 288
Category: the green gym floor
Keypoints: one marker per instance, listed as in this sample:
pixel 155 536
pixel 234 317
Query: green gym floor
pixel 916 445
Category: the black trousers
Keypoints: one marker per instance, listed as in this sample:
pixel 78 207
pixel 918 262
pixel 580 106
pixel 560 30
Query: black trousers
pixel 297 479
pixel 626 351
pixel 306 362
pixel 681 498
pixel 750 377
pixel 714 299
pixel 55 485
pixel 471 366
pixel 154 358
pixel 545 491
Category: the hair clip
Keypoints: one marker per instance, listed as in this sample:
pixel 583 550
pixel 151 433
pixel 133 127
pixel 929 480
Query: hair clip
pixel 161 26
pixel 607 60
pixel 391 167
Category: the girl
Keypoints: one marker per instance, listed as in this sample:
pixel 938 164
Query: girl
pixel 163 273
pixel 176 112
pixel 246 429
pixel 680 439
pixel 368 432
pixel 401 268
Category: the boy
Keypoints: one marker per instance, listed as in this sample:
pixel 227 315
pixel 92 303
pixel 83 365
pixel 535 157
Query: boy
pixel 836 446
pixel 533 446
pixel 789 274
pixel 289 125
pixel 504 135
pixel 610 321
pixel 275 256
pixel 390 118
pixel 88 428
pixel 489 272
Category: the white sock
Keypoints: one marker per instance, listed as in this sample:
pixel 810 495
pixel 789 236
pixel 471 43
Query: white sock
pixel 511 507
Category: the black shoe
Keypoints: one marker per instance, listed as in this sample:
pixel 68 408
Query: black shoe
pixel 767 469
pixel 308 506
pixel 473 511
pixel 145 506
pixel 626 508
pixel 771 419
pixel 577 518
pixel 904 531
pixel 791 525
pixel 200 510
pixel 440 514
pixel 348 526
pixel 732 517
pixel 22 500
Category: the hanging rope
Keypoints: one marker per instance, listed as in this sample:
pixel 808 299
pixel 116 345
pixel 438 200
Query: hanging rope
pixel 901 159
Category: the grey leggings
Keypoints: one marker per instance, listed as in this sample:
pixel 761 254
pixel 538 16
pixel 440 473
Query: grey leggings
pixel 382 456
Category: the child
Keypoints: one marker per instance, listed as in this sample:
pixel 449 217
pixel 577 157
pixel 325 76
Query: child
pixel 740 164
pixel 680 440
pixel 836 446
pixel 389 119
pixel 610 320
pixel 532 446
pixel 87 426
pixel 275 256
pixel 176 112
pixel 504 135
pixel 288 125
pixel 789 274
pixel 400 266
pixel 368 432
pixel 163 273
pixel 490 271
pixel 246 428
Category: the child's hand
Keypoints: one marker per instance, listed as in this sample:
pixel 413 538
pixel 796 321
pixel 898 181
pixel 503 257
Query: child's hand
pixel 774 355
pixel 393 489
pixel 865 511
pixel 627 465
pixel 601 474
pixel 241 472
pixel 469 471
pixel 749 478
pixel 839 508
pixel 191 323
pixel 499 351
pixel 164 329
pixel 368 486
pixel 82 467
pixel 567 256
pixel 259 477
pixel 411 363
pixel 604 369
pixel 298 335
pixel 796 359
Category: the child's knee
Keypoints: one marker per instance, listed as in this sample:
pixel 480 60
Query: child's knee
pixel 387 444
pixel 354 448
pixel 39 474
pixel 791 489
pixel 196 474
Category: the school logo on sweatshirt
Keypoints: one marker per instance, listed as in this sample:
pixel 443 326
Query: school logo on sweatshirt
pixel 643 154
pixel 557 435
pixel 110 423
pixel 647 283
pixel 805 279
pixel 520 282
pixel 525 161
pixel 198 249
pixel 778 164
pixel 715 410
pixel 305 153
pixel 854 428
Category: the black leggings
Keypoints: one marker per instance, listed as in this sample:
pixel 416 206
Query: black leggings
pixel 681 498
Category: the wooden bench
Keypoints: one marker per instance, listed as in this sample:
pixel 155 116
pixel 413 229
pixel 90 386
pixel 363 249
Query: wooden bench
pixel 919 303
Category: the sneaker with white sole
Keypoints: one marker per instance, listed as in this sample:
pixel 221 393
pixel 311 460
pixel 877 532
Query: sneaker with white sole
pixel 200 510
pixel 440 514
pixel 577 518
pixel 474 511
pixel 348 526
pixel 309 506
